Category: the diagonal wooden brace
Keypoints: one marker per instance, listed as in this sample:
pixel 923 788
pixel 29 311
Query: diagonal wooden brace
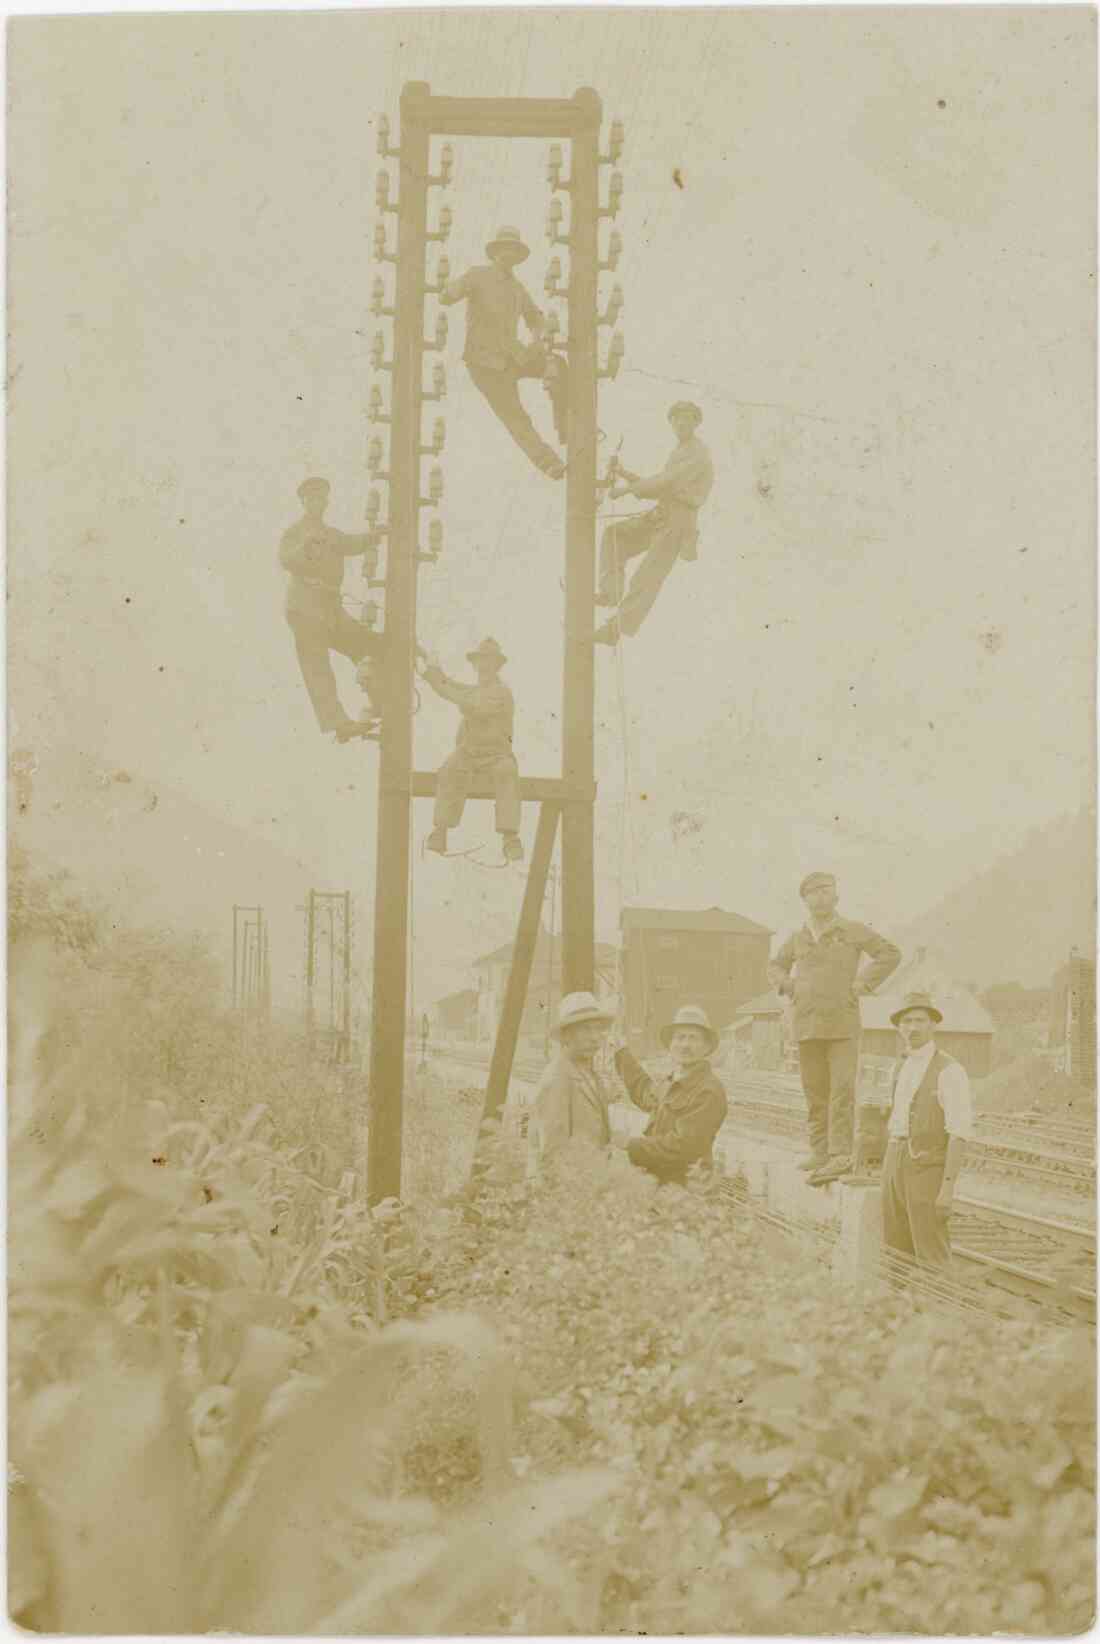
pixel 519 976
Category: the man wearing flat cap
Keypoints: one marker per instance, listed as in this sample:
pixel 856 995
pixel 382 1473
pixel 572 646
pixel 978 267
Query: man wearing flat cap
pixel 496 301
pixel 931 1120
pixel 483 748
pixel 819 969
pixel 313 552
pixel 664 534
pixel 686 1108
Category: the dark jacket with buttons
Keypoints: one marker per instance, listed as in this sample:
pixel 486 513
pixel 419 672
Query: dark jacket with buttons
pixel 687 1112
pixel 825 968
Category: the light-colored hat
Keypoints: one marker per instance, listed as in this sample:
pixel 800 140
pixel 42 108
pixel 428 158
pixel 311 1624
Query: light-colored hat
pixel 509 239
pixel 580 1007
pixel 916 1001
pixel 489 648
pixel 813 880
pixel 686 405
pixel 690 1016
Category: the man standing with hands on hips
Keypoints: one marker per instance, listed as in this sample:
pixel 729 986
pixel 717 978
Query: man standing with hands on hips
pixel 818 969
pixel 930 1123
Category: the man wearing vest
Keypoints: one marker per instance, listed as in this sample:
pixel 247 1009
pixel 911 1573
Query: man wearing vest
pixel 687 1106
pixel 930 1124
pixel 818 968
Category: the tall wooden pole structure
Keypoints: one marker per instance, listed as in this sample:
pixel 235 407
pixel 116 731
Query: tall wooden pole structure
pixel 578 765
pixel 572 795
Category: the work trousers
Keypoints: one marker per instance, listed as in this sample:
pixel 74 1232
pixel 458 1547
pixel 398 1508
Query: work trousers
pixel 664 535
pixel 316 634
pixel 453 785
pixel 501 390
pixel 911 1223
pixel 829 1082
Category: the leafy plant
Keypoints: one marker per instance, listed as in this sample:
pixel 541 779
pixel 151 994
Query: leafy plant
pixel 795 1456
pixel 214 1425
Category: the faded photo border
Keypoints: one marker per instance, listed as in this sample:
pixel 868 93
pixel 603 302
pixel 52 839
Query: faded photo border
pixel 619 1159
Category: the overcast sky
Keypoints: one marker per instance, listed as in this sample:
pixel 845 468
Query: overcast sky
pixel 876 280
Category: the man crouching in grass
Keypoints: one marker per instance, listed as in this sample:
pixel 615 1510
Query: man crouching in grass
pixel 688 1105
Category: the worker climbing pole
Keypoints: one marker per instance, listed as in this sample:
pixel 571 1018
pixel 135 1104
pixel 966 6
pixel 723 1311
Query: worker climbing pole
pixel 572 360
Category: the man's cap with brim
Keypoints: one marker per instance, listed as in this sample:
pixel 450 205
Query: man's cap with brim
pixel 816 881
pixel 509 239
pixel 690 1016
pixel 580 1007
pixel 916 1001
pixel 488 648
pixel 688 406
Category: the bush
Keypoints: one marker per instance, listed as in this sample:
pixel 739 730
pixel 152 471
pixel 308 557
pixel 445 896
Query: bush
pixel 795 1456
pixel 212 1425
pixel 669 1419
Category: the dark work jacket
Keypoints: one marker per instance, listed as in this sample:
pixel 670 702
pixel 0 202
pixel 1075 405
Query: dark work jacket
pixel 825 969
pixel 688 1110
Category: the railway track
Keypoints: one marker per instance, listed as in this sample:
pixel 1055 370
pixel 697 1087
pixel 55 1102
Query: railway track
pixel 1028 1254
pixel 1043 1258
pixel 1058 1155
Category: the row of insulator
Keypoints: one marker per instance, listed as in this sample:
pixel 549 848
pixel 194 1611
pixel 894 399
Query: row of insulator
pixel 376 412
pixel 553 283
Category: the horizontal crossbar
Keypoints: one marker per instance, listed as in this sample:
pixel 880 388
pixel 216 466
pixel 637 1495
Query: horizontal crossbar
pixel 423 785
pixel 502 116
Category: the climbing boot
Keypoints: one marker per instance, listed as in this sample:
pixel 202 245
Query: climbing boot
pixel 831 1171
pixel 437 841
pixel 513 847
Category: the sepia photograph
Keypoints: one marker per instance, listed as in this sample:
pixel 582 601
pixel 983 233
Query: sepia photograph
pixel 551 874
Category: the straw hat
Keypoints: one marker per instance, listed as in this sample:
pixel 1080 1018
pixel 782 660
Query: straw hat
pixel 580 1007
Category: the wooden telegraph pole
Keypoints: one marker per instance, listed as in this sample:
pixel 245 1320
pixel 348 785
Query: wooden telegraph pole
pixel 578 737
pixel 572 795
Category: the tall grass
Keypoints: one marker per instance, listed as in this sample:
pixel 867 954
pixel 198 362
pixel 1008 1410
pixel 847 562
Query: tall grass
pixel 213 1425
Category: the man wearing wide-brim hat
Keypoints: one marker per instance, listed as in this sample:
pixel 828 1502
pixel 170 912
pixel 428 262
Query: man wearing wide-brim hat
pixel 571 1101
pixel 664 534
pixel 687 1106
pixel 496 301
pixel 818 968
pixel 931 1120
pixel 483 748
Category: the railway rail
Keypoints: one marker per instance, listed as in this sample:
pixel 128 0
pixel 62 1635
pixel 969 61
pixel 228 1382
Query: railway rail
pixel 1058 1155
pixel 1039 1257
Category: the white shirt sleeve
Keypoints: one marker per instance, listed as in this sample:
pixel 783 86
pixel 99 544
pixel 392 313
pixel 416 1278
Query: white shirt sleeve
pixel 956 1101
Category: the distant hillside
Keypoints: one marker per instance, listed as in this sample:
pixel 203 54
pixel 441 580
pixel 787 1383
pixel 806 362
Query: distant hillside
pixel 153 853
pixel 1018 920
